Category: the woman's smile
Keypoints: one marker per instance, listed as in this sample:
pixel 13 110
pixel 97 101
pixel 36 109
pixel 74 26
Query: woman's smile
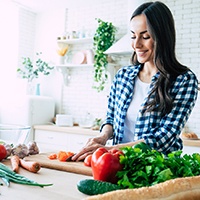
pixel 141 53
pixel 142 42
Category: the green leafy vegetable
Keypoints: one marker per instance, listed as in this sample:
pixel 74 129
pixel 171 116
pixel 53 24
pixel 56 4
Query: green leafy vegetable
pixel 146 168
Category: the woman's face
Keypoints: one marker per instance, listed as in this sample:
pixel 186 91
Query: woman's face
pixel 142 41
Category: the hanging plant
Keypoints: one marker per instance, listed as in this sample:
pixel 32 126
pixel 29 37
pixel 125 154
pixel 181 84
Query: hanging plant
pixel 104 37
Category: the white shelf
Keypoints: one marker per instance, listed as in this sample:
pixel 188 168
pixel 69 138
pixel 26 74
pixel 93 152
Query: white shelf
pixel 76 41
pixel 65 70
pixel 121 53
pixel 71 65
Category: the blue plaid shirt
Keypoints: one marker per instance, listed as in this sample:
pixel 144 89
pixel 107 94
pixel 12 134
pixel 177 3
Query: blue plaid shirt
pixel 161 133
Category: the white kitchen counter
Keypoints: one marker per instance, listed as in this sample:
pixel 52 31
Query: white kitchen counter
pixel 64 186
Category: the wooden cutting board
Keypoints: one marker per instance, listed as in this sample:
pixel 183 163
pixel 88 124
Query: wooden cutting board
pixel 70 166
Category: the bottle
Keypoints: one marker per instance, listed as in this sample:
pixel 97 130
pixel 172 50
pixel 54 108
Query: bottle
pixel 89 56
pixel 37 90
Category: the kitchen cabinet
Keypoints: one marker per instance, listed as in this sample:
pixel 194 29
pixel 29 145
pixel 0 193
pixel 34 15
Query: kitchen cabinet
pixel 51 138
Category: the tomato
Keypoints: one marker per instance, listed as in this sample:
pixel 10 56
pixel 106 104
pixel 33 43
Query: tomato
pixel 3 152
pixel 52 156
pixel 87 160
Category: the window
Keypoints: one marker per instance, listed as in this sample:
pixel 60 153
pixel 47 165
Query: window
pixel 16 40
pixel 8 46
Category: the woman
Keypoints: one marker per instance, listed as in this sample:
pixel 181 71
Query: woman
pixel 151 100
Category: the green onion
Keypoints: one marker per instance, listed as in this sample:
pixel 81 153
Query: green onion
pixel 10 176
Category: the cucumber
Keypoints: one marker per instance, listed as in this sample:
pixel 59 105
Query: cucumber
pixel 94 187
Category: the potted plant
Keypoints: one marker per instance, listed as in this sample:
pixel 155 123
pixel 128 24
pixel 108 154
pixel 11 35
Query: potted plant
pixel 104 37
pixel 31 71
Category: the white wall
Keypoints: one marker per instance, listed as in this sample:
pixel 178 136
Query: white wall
pixel 8 50
pixel 49 26
pixel 78 98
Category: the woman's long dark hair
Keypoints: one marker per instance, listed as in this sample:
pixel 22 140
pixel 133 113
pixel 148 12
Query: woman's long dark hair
pixel 160 24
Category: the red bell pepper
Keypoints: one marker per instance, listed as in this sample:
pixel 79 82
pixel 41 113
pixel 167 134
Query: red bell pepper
pixel 105 164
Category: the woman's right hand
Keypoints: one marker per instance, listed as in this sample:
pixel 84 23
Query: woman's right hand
pixel 95 143
pixel 90 147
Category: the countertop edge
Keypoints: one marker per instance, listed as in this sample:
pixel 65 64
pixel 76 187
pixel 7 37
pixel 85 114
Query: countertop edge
pixel 73 129
pixel 194 143
pixel 88 131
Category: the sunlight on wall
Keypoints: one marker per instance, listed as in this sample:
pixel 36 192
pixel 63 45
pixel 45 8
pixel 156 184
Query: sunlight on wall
pixel 8 49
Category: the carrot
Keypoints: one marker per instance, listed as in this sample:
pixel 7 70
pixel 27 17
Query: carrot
pixel 63 156
pixel 15 163
pixel 52 156
pixel 31 166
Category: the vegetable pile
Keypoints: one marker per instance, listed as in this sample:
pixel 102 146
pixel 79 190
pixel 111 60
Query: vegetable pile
pixel 21 150
pixel 149 167
pixel 7 175
pixel 141 167
pixel 16 154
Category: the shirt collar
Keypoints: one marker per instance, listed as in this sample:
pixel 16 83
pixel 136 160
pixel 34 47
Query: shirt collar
pixel 134 70
pixel 155 77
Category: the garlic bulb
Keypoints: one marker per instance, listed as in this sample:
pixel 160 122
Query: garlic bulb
pixel 20 150
pixel 33 148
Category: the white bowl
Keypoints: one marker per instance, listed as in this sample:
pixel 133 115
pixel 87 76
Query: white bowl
pixel 14 134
